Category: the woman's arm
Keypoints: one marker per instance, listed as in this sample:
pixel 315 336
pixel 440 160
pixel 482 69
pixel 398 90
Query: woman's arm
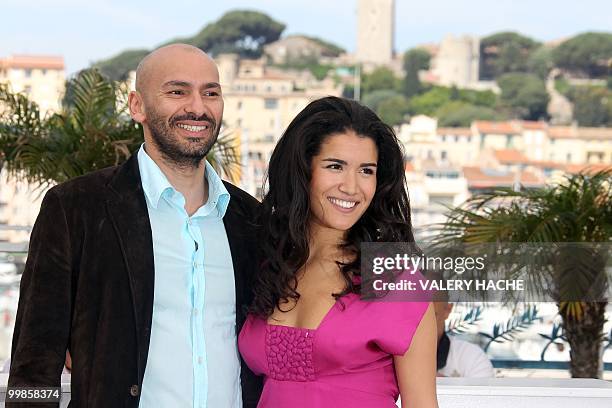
pixel 416 370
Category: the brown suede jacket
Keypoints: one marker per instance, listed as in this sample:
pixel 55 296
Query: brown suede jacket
pixel 88 287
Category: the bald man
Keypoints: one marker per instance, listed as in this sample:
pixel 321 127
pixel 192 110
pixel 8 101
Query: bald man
pixel 142 271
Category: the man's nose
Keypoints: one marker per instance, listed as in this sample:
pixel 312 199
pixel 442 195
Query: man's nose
pixel 196 105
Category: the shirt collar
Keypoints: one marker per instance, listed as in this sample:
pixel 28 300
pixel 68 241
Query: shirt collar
pixel 155 183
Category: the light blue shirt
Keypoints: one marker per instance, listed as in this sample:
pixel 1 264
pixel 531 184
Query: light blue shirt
pixel 193 359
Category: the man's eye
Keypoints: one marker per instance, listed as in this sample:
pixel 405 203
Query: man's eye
pixel 176 92
pixel 211 93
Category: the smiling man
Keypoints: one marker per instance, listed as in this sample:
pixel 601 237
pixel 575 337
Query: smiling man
pixel 141 271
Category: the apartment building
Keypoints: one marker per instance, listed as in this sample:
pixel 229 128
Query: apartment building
pixel 40 78
pixel 260 102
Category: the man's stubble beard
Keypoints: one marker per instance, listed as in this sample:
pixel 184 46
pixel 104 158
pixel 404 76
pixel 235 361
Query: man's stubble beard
pixel 172 151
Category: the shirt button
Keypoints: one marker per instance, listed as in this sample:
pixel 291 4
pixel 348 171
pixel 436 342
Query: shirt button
pixel 195 312
pixel 195 264
pixel 200 359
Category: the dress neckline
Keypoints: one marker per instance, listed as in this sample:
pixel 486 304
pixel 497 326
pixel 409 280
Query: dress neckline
pixel 323 320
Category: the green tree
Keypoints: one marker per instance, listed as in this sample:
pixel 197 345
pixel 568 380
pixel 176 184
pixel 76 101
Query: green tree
pixel 505 52
pixel 479 98
pixel 525 94
pixel 462 114
pixel 118 67
pixel 429 102
pixel 379 79
pixel 415 60
pixel 331 49
pixel 578 210
pixel 540 62
pixel 240 31
pixel 93 131
pixel 375 98
pixel 393 110
pixel 592 106
pixel 587 54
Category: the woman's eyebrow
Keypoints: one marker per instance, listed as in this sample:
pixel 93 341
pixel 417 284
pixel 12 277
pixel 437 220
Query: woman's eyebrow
pixel 339 161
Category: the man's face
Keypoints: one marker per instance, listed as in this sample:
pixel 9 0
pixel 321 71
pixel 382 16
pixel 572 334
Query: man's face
pixel 182 106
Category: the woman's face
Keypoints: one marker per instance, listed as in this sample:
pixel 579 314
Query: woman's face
pixel 343 180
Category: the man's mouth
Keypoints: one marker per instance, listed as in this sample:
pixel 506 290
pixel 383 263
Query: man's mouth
pixel 192 128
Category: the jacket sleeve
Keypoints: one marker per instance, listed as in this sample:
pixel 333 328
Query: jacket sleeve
pixel 42 326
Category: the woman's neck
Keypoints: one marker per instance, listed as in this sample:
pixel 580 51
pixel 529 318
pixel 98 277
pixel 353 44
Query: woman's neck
pixel 324 244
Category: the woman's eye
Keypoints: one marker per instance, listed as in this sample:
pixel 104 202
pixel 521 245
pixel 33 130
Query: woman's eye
pixel 367 170
pixel 334 167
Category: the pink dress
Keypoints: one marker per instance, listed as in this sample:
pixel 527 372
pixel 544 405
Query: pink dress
pixel 346 362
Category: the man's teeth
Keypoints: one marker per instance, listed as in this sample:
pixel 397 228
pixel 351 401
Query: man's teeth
pixel 192 128
pixel 342 203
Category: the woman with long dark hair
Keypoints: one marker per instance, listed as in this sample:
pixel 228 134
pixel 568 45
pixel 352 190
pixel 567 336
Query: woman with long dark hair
pixel 336 180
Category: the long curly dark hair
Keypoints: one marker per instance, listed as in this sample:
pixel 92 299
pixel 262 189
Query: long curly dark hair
pixel 285 210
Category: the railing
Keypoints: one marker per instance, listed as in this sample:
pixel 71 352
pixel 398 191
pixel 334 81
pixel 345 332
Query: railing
pixel 483 393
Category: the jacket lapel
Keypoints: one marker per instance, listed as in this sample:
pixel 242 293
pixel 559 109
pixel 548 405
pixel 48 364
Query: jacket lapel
pixel 236 228
pixel 127 210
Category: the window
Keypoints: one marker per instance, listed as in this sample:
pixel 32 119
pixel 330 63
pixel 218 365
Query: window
pixel 271 103
pixel 28 73
pixel 239 104
pixel 443 155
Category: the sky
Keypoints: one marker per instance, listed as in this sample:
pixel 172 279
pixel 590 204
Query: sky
pixel 86 31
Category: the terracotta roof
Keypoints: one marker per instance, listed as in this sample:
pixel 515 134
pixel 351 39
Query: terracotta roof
pixel 486 178
pixel 570 132
pixel 531 125
pixel 561 132
pixel 33 62
pixel 548 164
pixel 594 133
pixel 408 167
pixel 587 168
pixel 455 131
pixel 510 156
pixel 488 127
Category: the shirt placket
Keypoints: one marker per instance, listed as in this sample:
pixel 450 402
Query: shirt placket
pixel 200 374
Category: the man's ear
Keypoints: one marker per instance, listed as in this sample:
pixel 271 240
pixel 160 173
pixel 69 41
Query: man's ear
pixel 136 107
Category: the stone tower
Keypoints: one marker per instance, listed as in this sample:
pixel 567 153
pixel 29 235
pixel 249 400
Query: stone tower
pixel 375 31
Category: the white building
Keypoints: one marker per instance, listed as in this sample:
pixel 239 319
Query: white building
pixel 457 61
pixel 260 102
pixel 42 80
pixel 375 31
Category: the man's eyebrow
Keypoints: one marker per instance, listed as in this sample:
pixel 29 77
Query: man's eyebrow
pixel 176 83
pixel 186 84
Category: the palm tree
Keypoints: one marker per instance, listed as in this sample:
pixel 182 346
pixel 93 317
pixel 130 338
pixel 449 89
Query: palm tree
pixel 93 131
pixel 577 210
